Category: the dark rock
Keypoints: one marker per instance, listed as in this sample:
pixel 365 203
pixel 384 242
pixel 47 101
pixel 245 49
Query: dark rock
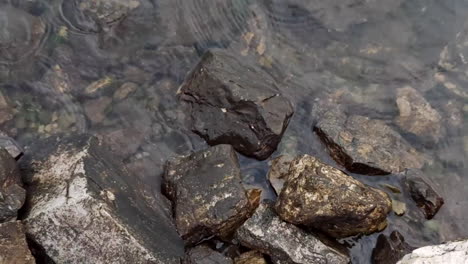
pixel 422 193
pixel 207 194
pixel 250 257
pixel 389 250
pixel 205 255
pixel 278 172
pixel 284 242
pixel 11 146
pixel 13 246
pixel 84 206
pixel 364 145
pixel 322 197
pixel 236 103
pixel 417 116
pixel 12 194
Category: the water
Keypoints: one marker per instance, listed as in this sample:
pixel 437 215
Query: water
pixel 112 68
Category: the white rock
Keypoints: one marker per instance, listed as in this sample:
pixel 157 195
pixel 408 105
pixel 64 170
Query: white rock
pixel 450 253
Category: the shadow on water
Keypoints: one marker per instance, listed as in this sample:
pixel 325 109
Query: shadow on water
pixel 113 71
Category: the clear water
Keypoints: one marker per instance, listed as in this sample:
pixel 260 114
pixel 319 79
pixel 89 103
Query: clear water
pixel 113 71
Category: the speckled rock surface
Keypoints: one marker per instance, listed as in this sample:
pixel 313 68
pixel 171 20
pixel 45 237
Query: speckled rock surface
pixel 205 255
pixel 250 257
pixel 365 145
pixel 417 116
pixel 84 207
pixel 389 250
pixel 207 194
pixel 12 194
pixel 13 246
pixel 283 242
pixel 11 146
pixel 278 171
pixel 449 253
pixel 422 193
pixel 236 103
pixel 322 197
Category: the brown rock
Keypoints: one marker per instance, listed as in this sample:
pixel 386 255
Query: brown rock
pixel 95 109
pixel 207 194
pixel 13 246
pixel 365 145
pixel 417 116
pixel 278 171
pixel 251 257
pixel 389 250
pixel 12 194
pixel 322 197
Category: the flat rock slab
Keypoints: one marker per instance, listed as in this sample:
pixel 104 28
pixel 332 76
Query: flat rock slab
pixel 450 253
pixel 84 207
pixel 322 197
pixel 12 194
pixel 13 246
pixel 283 242
pixel 422 193
pixel 207 194
pixel 205 255
pixel 389 250
pixel 235 103
pixel 365 145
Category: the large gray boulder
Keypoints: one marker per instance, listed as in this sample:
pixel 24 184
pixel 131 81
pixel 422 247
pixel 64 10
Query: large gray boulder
pixel 449 253
pixel 233 102
pixel 322 197
pixel 12 194
pixel 207 193
pixel 283 242
pixel 13 246
pixel 84 207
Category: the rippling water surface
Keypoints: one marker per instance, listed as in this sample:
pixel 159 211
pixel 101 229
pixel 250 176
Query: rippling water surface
pixel 112 68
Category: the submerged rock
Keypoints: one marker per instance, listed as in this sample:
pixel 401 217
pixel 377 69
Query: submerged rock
pixel 278 172
pixel 449 253
pixel 12 194
pixel 284 242
pixel 364 145
pixel 207 193
pixel 322 197
pixel 423 193
pixel 236 103
pixel 84 207
pixel 417 116
pixel 11 146
pixel 205 255
pixel 13 246
pixel 389 250
pixel 250 257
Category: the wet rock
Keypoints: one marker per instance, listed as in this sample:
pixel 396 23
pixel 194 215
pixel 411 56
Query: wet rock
pixel 251 257
pixel 389 250
pixel 449 253
pixel 284 242
pixel 13 246
pixel 11 146
pixel 205 255
pixel 84 206
pixel 422 193
pixel 125 90
pixel 364 145
pixel 236 103
pixel 322 197
pixel 12 194
pixel 95 109
pixel 417 116
pixel 399 208
pixel 207 194
pixel 278 172
pixel 6 111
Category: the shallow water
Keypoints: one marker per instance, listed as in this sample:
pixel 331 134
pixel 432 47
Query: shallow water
pixel 113 71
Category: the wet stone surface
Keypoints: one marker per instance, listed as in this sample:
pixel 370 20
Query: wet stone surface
pixel 278 172
pixel 250 257
pixel 205 255
pixel 322 197
pixel 364 145
pixel 12 193
pixel 10 145
pixel 390 249
pixel 79 192
pixel 422 193
pixel 207 194
pixel 13 246
pixel 284 242
pixel 234 102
